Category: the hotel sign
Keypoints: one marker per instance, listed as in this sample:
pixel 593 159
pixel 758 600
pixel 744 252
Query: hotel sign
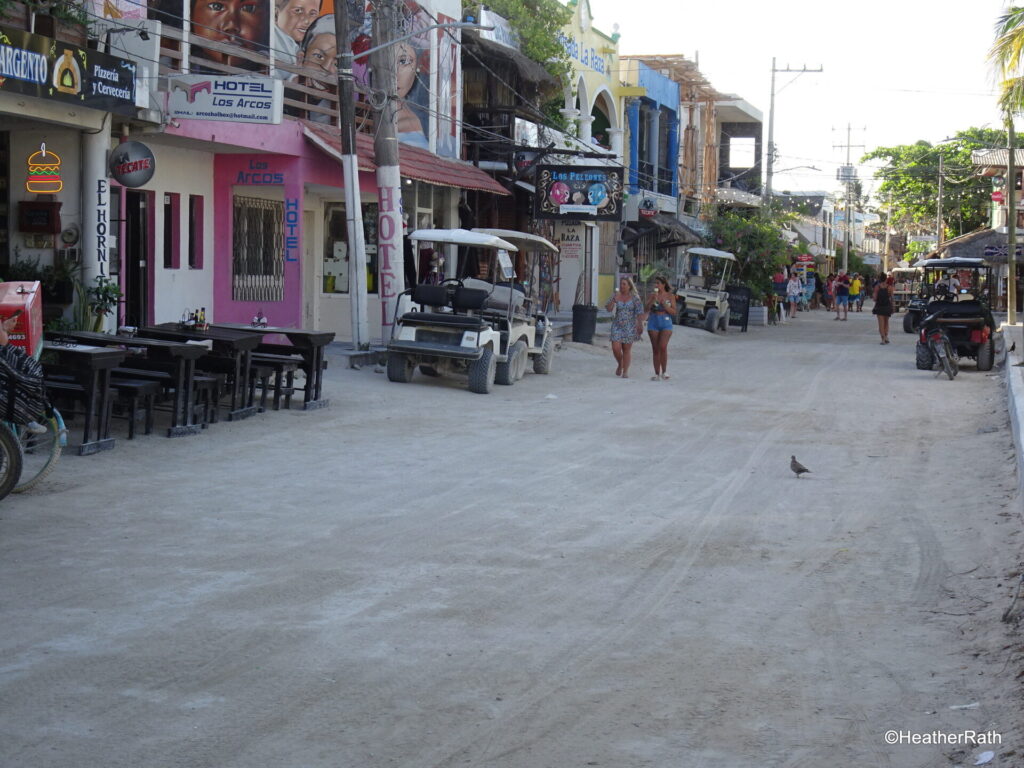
pixel 57 71
pixel 229 99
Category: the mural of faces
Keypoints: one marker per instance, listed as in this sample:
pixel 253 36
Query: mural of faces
pixel 295 16
pixel 559 193
pixel 244 23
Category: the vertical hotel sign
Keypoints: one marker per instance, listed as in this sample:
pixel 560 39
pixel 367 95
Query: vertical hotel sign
pixel 33 65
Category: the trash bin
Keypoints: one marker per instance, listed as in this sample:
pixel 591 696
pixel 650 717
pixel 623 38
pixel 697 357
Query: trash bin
pixel 584 323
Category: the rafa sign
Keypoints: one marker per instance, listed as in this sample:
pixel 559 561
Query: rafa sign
pixel 132 164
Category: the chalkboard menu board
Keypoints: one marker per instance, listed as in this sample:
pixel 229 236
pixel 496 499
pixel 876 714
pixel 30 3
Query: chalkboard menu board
pixel 39 217
pixel 739 305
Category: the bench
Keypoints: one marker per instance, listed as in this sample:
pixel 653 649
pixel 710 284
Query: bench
pixel 129 393
pixel 284 368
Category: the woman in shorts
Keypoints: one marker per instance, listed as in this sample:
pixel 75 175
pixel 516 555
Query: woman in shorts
pixel 661 309
pixel 627 324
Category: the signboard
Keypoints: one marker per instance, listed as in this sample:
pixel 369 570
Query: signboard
pixel 805 257
pixel 592 193
pixel 228 99
pixel 998 196
pixel 503 34
pixel 648 208
pixel 739 305
pixel 570 239
pixel 132 164
pixel 872 259
pixel 57 71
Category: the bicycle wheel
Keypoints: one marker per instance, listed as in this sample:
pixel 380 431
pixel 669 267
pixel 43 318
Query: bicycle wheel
pixel 10 460
pixel 39 452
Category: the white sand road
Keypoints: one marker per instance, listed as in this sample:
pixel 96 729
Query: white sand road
pixel 573 571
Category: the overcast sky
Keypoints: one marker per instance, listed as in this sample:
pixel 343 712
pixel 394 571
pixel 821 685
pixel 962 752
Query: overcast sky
pixel 896 70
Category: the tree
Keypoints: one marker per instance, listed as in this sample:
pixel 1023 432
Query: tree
pixel 910 182
pixel 1007 55
pixel 539 25
pixel 757 243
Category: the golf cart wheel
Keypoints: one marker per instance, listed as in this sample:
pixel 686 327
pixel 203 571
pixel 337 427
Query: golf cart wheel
pixel 909 323
pixel 507 373
pixel 400 368
pixel 542 362
pixel 711 320
pixel 923 357
pixel 429 370
pixel 986 354
pixel 481 373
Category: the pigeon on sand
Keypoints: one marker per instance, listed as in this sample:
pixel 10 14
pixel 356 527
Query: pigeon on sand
pixel 797 467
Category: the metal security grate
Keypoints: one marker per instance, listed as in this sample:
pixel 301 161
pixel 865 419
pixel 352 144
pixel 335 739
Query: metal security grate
pixel 257 258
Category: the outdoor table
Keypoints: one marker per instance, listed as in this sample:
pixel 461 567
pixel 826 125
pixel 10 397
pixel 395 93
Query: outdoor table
pixel 230 345
pixel 309 345
pixel 178 357
pixel 91 366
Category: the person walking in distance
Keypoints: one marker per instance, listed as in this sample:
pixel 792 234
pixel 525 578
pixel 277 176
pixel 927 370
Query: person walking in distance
pixel 661 308
pixel 856 295
pixel 794 289
pixel 627 324
pixel 883 308
pixel 842 289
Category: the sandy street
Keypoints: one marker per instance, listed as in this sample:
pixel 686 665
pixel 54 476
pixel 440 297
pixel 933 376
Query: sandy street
pixel 573 571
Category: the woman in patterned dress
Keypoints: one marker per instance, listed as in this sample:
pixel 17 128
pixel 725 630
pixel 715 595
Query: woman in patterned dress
pixel 627 323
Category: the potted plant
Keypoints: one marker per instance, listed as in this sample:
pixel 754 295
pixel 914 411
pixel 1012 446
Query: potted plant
pixel 103 299
pixel 59 283
pixel 23 270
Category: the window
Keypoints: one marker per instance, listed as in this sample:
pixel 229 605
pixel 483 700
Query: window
pixel 172 230
pixel 257 250
pixel 742 152
pixel 195 231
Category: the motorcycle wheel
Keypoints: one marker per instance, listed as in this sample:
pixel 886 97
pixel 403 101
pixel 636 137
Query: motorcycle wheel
pixel 949 364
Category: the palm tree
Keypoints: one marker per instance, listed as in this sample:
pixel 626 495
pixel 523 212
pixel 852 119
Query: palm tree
pixel 1007 55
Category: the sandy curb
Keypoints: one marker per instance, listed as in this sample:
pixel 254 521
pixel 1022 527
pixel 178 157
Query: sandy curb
pixel 1015 394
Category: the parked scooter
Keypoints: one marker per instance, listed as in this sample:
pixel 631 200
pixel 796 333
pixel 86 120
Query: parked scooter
pixel 933 345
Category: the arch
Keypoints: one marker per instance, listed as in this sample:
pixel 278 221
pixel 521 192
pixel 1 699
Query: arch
pixel 604 101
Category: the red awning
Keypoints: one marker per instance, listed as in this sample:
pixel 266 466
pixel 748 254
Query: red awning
pixel 413 162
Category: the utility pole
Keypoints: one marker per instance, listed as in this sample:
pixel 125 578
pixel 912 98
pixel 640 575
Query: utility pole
pixel 390 256
pixel 848 175
pixel 350 173
pixel 1011 225
pixel 938 213
pixel 766 193
pixel 888 227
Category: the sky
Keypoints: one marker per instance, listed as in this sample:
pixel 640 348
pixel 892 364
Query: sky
pixel 895 71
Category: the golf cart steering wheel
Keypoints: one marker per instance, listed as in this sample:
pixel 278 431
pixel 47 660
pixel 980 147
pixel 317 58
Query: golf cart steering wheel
pixel 457 281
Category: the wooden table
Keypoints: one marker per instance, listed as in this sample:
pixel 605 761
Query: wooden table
pixel 234 348
pixel 91 366
pixel 178 358
pixel 309 345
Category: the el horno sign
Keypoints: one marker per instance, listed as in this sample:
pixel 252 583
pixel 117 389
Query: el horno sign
pixel 132 164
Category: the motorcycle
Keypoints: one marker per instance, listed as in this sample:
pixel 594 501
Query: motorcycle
pixel 934 344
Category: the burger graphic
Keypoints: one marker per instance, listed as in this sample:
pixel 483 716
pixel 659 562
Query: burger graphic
pixel 44 172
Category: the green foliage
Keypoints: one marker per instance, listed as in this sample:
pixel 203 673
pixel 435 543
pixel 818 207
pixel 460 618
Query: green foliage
pixel 910 180
pixel 102 300
pixel 1007 59
pixel 758 245
pixel 538 24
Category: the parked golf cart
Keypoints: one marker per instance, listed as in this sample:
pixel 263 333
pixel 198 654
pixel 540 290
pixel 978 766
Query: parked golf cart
pixel 959 291
pixel 703 300
pixel 486 330
pixel 906 285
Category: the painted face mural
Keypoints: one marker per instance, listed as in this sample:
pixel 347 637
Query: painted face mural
pixel 295 16
pixel 559 193
pixel 598 194
pixel 244 23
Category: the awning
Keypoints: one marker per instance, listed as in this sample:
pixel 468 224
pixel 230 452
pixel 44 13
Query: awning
pixel 671 231
pixel 527 68
pixel 415 163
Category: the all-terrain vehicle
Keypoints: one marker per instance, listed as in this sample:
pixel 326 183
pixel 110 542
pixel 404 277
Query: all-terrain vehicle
pixel 703 299
pixel 976 279
pixel 957 292
pixel 486 330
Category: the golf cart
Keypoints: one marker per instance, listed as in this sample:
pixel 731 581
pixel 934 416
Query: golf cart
pixel 703 300
pixel 906 285
pixel 959 290
pixel 486 330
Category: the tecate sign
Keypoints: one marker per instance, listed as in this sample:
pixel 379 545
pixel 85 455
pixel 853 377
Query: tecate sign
pixel 132 164
pixel 228 99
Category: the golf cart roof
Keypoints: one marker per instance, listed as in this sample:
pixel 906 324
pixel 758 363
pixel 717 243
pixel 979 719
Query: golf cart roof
pixel 523 240
pixel 958 262
pixel 714 253
pixel 478 239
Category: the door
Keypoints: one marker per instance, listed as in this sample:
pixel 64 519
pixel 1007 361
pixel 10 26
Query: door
pixel 136 258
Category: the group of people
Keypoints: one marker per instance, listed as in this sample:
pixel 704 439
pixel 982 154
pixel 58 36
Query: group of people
pixel 840 292
pixel 630 314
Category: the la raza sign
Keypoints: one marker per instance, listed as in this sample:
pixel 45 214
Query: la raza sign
pixel 580 192
pixel 51 69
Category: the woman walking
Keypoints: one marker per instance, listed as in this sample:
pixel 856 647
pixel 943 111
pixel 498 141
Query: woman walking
pixel 794 290
pixel 627 324
pixel 661 308
pixel 883 308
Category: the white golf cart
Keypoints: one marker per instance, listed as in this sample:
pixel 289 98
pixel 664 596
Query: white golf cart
pixel 486 330
pixel 703 300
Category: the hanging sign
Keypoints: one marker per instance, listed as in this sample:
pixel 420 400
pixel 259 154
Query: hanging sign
pixel 52 69
pixel 132 164
pixel 229 99
pixel 592 193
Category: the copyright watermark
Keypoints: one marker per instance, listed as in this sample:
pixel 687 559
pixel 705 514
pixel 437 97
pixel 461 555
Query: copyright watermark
pixel 964 738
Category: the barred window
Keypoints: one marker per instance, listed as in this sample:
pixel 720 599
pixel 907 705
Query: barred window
pixel 257 258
